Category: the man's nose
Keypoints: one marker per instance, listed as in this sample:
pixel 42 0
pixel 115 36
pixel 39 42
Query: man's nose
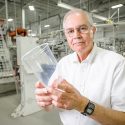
pixel 76 32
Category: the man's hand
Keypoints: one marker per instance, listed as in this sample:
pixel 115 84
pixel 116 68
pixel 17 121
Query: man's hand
pixel 43 96
pixel 69 98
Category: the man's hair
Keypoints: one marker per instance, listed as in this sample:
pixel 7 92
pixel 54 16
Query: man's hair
pixel 73 11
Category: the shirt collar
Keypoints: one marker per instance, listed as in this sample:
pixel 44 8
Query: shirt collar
pixel 89 58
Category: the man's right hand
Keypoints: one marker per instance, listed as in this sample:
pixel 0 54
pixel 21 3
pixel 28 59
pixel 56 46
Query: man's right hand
pixel 43 97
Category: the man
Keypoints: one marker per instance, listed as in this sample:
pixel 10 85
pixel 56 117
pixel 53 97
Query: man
pixel 92 88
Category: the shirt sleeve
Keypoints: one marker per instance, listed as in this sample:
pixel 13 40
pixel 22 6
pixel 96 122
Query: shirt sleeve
pixel 118 88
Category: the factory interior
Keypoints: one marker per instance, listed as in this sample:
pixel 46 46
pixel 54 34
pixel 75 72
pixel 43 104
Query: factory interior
pixel 25 24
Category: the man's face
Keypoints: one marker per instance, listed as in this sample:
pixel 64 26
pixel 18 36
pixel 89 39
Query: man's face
pixel 79 33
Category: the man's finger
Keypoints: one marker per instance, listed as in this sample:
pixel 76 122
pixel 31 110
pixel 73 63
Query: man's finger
pixel 65 86
pixel 39 85
pixel 40 91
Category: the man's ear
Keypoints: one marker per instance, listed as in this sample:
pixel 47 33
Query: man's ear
pixel 94 29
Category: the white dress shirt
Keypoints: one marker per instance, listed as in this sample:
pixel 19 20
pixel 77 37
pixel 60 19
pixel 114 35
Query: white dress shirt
pixel 100 78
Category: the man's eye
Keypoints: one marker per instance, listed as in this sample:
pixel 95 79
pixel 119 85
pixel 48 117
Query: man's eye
pixel 70 31
pixel 83 28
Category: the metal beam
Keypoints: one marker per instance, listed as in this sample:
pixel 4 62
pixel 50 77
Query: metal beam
pixel 69 7
pixel 6 5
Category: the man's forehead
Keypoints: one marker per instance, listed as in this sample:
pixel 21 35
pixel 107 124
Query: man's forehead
pixel 78 26
pixel 76 15
pixel 77 18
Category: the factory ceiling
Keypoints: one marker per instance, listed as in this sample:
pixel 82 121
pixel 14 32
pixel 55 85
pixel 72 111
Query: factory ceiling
pixel 46 9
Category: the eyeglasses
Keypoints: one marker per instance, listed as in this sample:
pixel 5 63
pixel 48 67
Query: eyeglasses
pixel 83 29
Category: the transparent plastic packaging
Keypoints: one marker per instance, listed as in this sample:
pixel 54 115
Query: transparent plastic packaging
pixel 40 61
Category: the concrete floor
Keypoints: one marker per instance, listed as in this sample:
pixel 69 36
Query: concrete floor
pixel 9 102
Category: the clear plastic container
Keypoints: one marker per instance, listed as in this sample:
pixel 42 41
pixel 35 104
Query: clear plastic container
pixel 41 61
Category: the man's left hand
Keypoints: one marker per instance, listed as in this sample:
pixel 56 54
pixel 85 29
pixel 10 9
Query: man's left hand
pixel 65 96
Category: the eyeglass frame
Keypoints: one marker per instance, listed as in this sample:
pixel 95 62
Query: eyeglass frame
pixel 88 27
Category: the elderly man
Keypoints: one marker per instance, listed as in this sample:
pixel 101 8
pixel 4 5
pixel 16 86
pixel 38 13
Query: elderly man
pixel 92 89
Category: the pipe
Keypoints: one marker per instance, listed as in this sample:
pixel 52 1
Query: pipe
pixel 39 24
pixel 6 6
pixel 23 18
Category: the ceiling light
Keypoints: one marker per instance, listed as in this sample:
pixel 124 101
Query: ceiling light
pixel 29 30
pixel 10 20
pixel 94 11
pixel 100 17
pixel 33 34
pixel 66 6
pixel 47 26
pixel 31 8
pixel 117 6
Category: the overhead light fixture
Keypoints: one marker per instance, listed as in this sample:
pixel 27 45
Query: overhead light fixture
pixel 33 34
pixel 117 6
pixel 29 30
pixel 100 17
pixel 47 26
pixel 31 8
pixel 10 20
pixel 94 11
pixel 64 5
pixel 94 23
